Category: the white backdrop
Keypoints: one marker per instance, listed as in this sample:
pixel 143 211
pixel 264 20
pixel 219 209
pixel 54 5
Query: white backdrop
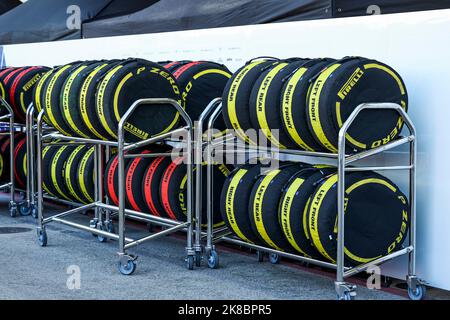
pixel 416 44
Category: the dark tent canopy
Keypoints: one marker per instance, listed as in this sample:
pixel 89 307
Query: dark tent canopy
pixel 47 20
pixel 174 15
pixel 6 5
pixel 351 8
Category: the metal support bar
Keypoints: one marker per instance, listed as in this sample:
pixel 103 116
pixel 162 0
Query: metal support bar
pixel 156 235
pixel 91 230
pixel 377 262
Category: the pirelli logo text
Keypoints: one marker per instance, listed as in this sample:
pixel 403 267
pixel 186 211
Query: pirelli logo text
pixel 348 86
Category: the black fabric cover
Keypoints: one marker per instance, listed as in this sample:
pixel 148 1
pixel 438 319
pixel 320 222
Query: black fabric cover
pixel 351 8
pixel 174 15
pixel 6 5
pixel 45 20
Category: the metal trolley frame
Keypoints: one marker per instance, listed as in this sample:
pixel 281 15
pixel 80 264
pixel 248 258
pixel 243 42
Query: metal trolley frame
pixel 102 225
pixel 344 290
pixel 28 206
pixel 11 185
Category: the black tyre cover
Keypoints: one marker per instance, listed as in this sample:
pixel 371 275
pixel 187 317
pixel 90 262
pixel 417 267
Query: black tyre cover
pixel 236 96
pixel 264 103
pixel 293 208
pixel 125 84
pixel 376 217
pixel 341 88
pixel 294 104
pixel 264 202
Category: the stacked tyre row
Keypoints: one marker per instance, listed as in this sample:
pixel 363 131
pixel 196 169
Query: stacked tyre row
pixel 16 88
pixel 294 208
pixel 158 185
pixel 68 172
pixel 88 98
pixel 19 157
pixel 302 103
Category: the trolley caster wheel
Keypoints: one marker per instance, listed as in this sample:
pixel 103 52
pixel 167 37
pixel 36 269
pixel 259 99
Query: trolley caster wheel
pixel 42 237
pixel 110 227
pixel 274 258
pixel 349 295
pixel 127 268
pixel 24 210
pixel 417 293
pixel 213 259
pixel 190 262
pixel 260 256
pixel 34 212
pixel 12 210
pixel 198 258
pixel 99 237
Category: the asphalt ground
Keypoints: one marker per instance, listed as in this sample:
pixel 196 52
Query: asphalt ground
pixel 75 265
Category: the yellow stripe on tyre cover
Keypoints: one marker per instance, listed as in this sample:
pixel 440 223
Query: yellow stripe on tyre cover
pixel 231 101
pixel 67 172
pixel 209 71
pixel 286 106
pixel 37 93
pixel 2 91
pixel 83 101
pixel 316 202
pixel 100 94
pixel 54 173
pixel 348 191
pixel 229 203
pixel 261 103
pixel 313 107
pixel 285 207
pixel 81 172
pixel 257 207
pixel 47 100
pixel 66 101
pixel 44 151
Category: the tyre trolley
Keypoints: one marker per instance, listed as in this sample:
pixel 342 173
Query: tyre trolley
pixel 344 290
pixel 102 224
pixel 11 130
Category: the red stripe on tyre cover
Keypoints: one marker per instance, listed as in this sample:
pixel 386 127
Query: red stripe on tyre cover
pixel 14 87
pixel 112 170
pixel 165 187
pixel 170 64
pixel 3 71
pixel 181 70
pixel 148 183
pixel 129 181
pixel 16 151
pixel 8 77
